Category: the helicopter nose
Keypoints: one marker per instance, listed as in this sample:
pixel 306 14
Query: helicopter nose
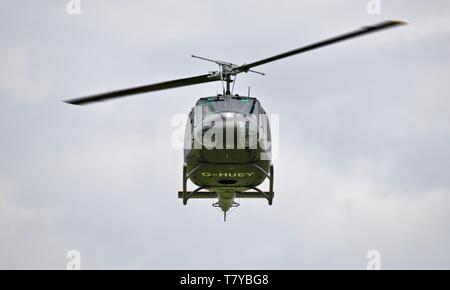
pixel 227 137
pixel 240 132
pixel 232 124
pixel 237 130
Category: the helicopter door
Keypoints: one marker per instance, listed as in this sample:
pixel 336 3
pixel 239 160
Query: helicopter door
pixel 189 135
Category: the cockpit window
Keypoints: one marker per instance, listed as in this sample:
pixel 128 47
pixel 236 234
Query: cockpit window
pixel 244 105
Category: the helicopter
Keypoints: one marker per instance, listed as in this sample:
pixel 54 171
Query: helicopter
pixel 227 143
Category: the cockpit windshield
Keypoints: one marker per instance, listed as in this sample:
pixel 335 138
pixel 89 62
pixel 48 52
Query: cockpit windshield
pixel 238 104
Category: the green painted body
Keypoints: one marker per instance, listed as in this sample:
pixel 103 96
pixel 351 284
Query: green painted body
pixel 229 169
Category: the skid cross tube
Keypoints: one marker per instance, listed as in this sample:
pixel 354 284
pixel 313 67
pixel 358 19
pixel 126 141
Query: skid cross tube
pixel 198 193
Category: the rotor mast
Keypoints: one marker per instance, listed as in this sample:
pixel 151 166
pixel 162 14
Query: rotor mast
pixel 227 72
pixel 228 81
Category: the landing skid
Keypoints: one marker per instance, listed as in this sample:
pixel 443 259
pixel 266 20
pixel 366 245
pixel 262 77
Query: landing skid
pixel 251 192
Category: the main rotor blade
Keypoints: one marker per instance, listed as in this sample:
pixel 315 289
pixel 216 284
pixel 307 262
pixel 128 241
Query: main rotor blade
pixel 360 32
pixel 145 89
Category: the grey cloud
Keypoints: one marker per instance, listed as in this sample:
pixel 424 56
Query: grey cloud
pixel 364 135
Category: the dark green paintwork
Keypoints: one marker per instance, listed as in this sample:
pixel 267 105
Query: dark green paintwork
pixel 226 171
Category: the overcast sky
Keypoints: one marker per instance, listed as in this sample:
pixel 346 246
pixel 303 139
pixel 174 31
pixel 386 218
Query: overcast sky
pixel 364 135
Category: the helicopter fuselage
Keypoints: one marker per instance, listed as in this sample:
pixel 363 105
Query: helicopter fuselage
pixel 227 147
